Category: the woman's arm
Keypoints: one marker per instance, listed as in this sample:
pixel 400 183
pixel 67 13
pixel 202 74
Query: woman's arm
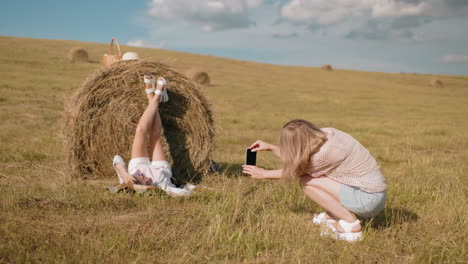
pixel 259 173
pixel 273 174
pixel 263 146
pixel 126 177
pixel 276 150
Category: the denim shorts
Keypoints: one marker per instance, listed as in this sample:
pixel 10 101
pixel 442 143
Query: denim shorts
pixel 362 203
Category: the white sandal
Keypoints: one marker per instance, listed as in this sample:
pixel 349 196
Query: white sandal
pixel 321 219
pixel 347 235
pixel 117 160
pixel 149 79
pixel 164 97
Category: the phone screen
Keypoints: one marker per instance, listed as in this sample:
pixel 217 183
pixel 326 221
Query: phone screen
pixel 250 157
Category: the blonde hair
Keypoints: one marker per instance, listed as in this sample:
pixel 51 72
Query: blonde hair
pixel 299 140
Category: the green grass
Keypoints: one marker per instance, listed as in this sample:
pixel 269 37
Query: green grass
pixel 416 132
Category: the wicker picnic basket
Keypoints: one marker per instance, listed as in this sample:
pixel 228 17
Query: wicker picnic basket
pixel 108 59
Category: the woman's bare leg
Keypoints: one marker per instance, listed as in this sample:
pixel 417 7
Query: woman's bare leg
pixel 140 141
pixel 325 192
pixel 155 139
pixel 152 140
pixel 155 144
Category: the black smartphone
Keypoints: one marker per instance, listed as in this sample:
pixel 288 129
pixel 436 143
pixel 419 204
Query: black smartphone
pixel 250 157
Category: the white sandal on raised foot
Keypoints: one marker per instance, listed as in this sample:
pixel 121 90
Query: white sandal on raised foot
pixel 164 97
pixel 321 219
pixel 118 159
pixel 347 235
pixel 149 79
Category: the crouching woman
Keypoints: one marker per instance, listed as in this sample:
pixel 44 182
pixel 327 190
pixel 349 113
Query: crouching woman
pixel 333 169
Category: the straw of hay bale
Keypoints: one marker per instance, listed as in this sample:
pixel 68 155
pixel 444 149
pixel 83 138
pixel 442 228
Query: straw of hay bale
pixel 327 67
pixel 101 118
pixel 78 55
pixel 436 83
pixel 198 76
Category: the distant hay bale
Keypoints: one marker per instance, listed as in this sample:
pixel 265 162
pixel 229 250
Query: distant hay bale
pixel 101 118
pixel 78 55
pixel 327 67
pixel 436 83
pixel 198 76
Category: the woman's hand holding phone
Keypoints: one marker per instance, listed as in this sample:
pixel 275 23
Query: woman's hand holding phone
pixel 254 171
pixel 263 146
pixel 260 173
pixel 260 146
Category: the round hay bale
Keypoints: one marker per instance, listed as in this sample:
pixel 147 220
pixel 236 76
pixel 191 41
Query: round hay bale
pixel 436 83
pixel 200 77
pixel 78 55
pixel 102 116
pixel 327 67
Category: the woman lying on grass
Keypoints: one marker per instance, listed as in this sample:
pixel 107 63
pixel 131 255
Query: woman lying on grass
pixel 156 173
pixel 334 170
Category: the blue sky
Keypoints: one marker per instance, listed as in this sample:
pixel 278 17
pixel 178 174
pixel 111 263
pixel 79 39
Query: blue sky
pixel 426 36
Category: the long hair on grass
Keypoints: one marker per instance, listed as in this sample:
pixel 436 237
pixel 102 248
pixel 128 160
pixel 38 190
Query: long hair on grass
pixel 299 140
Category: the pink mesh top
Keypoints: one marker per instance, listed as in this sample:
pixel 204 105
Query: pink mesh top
pixel 343 159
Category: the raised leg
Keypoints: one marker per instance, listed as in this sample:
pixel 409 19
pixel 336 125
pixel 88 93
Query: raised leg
pixel 140 140
pixel 155 140
pixel 155 144
pixel 152 133
pixel 325 192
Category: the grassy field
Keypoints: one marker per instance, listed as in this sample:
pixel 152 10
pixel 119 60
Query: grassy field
pixel 417 133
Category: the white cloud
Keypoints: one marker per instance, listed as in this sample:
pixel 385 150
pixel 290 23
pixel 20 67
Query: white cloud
pixel 136 43
pixel 454 58
pixel 211 15
pixel 333 11
pixel 254 3
pixel 321 11
pixel 145 44
pixel 285 36
pixel 394 8
pixel 373 19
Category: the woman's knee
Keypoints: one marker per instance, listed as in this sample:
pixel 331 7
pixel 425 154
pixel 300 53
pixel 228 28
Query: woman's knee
pixel 141 129
pixel 156 133
pixel 307 184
